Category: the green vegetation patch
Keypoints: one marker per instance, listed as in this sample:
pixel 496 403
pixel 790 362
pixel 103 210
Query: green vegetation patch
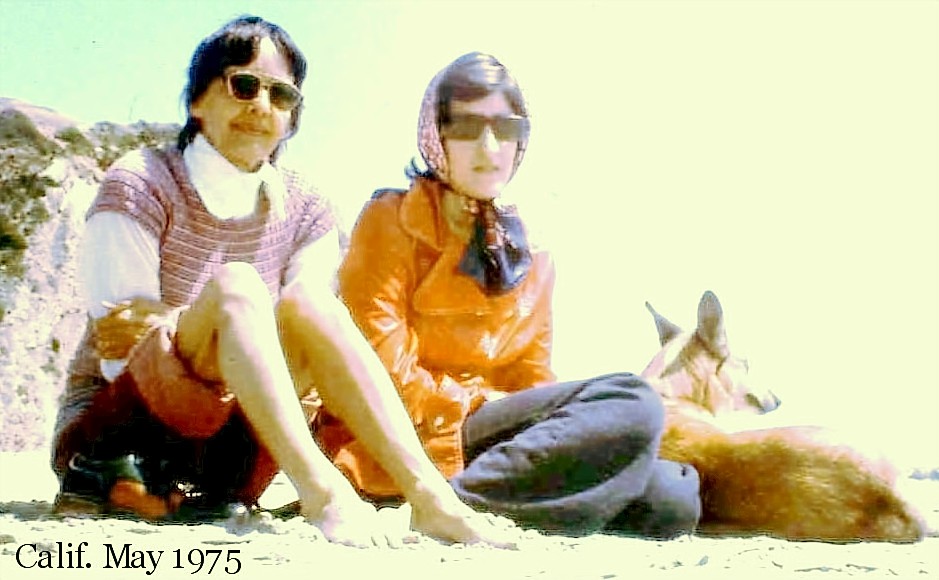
pixel 25 153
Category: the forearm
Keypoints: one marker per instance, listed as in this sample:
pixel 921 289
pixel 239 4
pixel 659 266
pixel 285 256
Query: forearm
pixel 326 346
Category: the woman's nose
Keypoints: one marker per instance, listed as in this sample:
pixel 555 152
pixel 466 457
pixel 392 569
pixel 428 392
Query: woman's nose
pixel 262 101
pixel 488 140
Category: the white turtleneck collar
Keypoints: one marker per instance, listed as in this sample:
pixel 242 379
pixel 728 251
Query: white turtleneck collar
pixel 227 191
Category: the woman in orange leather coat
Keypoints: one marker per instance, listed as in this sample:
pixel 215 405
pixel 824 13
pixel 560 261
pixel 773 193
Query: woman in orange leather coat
pixel 444 283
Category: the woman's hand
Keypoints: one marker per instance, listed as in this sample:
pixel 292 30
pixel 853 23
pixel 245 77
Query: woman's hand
pixel 125 323
pixel 494 395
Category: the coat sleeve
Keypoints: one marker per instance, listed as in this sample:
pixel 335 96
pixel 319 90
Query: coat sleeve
pixel 533 367
pixel 376 282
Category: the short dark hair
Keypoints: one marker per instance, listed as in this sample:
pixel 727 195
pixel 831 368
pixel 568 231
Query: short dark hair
pixel 236 44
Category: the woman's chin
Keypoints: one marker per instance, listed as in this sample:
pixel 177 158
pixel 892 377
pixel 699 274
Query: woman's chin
pixel 482 193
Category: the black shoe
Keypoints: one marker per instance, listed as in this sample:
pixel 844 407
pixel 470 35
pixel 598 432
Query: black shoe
pixel 148 487
pixel 86 486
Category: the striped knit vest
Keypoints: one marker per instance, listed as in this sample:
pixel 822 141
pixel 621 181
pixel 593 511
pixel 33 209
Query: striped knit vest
pixel 153 188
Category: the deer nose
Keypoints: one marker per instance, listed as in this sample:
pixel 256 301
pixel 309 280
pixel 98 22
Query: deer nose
pixel 766 404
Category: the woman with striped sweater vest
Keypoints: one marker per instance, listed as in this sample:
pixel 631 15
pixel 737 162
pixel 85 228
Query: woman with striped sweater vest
pixel 211 318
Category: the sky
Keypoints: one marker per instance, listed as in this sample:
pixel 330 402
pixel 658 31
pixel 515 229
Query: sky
pixel 783 154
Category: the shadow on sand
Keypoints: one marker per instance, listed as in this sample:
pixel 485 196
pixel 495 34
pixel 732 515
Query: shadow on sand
pixel 29 510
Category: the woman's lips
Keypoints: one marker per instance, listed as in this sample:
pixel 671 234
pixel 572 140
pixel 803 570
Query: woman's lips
pixel 250 128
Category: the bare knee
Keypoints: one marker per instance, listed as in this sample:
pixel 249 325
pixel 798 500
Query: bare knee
pixel 240 292
pixel 236 294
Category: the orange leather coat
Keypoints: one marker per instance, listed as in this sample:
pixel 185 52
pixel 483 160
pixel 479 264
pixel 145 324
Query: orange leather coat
pixel 445 343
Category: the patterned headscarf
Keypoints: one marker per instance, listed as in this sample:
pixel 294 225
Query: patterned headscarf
pixel 497 255
pixel 428 133
pixel 429 141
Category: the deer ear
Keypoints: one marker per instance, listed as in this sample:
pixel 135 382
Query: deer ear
pixel 667 330
pixel 711 324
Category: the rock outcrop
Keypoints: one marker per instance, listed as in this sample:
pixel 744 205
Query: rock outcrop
pixel 50 168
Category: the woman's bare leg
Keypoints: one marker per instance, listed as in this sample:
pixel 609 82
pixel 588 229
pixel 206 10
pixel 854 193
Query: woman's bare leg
pixel 230 333
pixel 325 348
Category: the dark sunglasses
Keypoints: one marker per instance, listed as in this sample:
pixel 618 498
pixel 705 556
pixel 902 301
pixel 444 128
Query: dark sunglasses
pixel 470 127
pixel 245 86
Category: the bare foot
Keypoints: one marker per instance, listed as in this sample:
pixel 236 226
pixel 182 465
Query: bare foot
pixel 450 520
pixel 347 520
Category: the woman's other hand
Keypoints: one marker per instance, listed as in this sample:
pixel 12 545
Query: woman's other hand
pixel 125 323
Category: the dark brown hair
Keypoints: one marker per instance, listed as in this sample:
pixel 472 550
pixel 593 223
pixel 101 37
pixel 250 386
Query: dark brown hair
pixel 471 77
pixel 236 44
pixel 475 76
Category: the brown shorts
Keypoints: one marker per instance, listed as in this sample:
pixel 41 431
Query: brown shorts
pixel 181 400
pixel 158 387
pixel 186 403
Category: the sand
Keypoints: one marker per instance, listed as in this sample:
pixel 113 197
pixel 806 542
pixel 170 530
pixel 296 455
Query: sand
pixel 262 546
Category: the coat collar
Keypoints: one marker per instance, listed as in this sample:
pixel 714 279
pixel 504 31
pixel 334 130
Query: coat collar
pixel 440 291
pixel 421 216
pixel 443 291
